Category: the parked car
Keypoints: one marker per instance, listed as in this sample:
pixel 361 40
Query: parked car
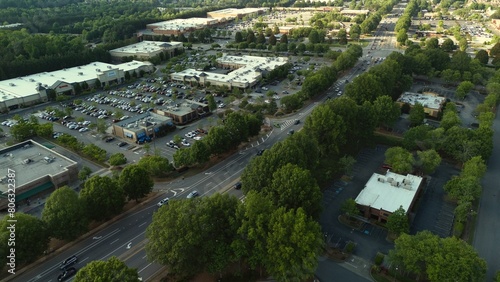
pixel 193 194
pixel 83 129
pixel 67 274
pixel 185 143
pixel 237 186
pixel 109 139
pixel 121 144
pixel 68 262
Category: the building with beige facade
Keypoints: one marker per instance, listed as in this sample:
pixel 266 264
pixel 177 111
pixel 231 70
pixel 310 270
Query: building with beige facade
pixel 145 50
pixel 181 26
pixel 432 103
pixel 141 127
pixel 233 13
pixel 36 169
pixel 185 112
pixel 32 89
pixel 245 71
pixel 384 194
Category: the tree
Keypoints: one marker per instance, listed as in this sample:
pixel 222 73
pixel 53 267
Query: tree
pixel 238 37
pixel 327 128
pixel 293 245
pixel 293 187
pixel 441 259
pixel 397 222
pixel 482 56
pixel 495 50
pixel 402 37
pixel 111 270
pixel 417 114
pixel 314 37
pixel 463 89
pixel 365 87
pixel 429 160
pixel 180 238
pixel 400 160
pixel 342 36
pixel 31 238
pixel 156 166
pixel 135 182
pixel 462 44
pixel 103 197
pixel 211 102
pixel 432 43
pixel 64 214
pixel 474 167
pixel 463 187
pixel 448 45
pixel 84 173
pixel 349 207
pixel 449 120
pixel 416 137
pixel 117 159
pixel 386 110
pixel 272 40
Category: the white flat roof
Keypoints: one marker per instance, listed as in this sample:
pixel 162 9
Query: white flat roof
pixel 389 192
pixel 182 24
pixel 147 47
pixel 428 100
pixel 26 85
pixel 234 11
pixel 246 73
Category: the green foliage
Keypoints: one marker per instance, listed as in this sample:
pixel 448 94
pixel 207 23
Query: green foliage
pixel 400 159
pixel 64 214
pixel 111 270
pixel 417 115
pixel 135 182
pixel 463 89
pixel 428 161
pixel 31 238
pixel 379 259
pixel 94 152
pixel 117 159
pixel 84 173
pixel 350 247
pixel 156 166
pixel 441 259
pixel 293 245
pixel 188 248
pixel 350 207
pixel 103 197
pixel 397 222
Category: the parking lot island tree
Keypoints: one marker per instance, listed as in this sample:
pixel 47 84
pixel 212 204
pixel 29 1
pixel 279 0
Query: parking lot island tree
pixel 64 214
pixel 31 238
pixel 398 222
pixel 417 115
pixel 117 159
pixel 136 182
pixel 428 161
pixel 111 270
pixel 399 159
pixel 350 208
pixel 103 197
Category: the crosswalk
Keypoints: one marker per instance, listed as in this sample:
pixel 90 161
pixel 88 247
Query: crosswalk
pixel 287 123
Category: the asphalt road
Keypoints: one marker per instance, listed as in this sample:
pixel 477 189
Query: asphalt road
pixel 488 225
pixel 126 237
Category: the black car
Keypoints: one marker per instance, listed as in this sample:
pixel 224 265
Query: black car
pixel 68 262
pixel 297 121
pixel 67 274
pixel 121 144
pixel 260 152
pixel 237 186
pixel 109 139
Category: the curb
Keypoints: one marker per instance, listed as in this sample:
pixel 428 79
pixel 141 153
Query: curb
pixel 81 238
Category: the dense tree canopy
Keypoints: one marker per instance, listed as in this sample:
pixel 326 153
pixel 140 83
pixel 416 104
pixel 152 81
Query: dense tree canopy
pixel 135 182
pixel 103 197
pixel 111 270
pixel 65 214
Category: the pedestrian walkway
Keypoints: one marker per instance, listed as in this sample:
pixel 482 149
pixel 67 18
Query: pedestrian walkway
pixel 287 123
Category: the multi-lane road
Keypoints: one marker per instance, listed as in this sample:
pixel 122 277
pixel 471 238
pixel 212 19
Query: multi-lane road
pixel 126 238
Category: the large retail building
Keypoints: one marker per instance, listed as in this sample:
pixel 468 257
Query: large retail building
pixel 245 71
pixel 32 89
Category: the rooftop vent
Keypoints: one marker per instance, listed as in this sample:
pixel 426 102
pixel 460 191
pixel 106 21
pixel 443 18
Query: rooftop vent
pixel 380 179
pixel 12 84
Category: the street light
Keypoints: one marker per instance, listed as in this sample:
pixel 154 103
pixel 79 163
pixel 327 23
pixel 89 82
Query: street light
pixel 395 273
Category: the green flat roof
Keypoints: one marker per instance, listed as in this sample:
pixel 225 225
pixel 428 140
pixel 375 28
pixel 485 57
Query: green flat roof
pixel 34 191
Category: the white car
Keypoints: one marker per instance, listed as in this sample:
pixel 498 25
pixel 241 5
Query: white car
pixel 197 138
pixel 5 122
pixel 83 129
pixel 189 135
pixel 185 143
pixel 221 105
pixel 163 202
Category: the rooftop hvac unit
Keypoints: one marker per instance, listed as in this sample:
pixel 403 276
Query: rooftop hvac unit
pixel 380 179
pixel 109 67
pixel 32 80
pixel 407 186
pixel 390 179
pixel 80 73
pixel 12 84
pixel 395 183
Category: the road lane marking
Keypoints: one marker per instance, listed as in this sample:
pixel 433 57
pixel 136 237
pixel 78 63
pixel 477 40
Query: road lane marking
pixel 114 241
pixel 145 267
pixel 142 224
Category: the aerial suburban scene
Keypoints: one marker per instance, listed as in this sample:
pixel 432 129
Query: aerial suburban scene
pixel 252 140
